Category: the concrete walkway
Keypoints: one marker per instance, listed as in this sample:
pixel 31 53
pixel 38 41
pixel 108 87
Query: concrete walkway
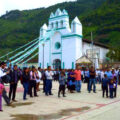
pixel 76 106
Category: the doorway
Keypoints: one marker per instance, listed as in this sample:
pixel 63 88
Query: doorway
pixel 57 64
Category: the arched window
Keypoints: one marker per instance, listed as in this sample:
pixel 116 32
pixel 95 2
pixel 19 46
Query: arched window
pixel 61 24
pixel 73 27
pixel 52 25
pixel 41 33
pixel 57 24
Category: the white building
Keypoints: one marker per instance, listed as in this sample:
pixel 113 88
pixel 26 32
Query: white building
pixel 61 44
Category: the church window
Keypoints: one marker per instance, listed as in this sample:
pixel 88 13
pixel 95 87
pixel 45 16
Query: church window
pixel 73 27
pixel 56 24
pixel 41 32
pixel 57 45
pixel 52 25
pixel 61 23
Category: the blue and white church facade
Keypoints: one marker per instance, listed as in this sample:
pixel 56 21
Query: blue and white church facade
pixel 61 44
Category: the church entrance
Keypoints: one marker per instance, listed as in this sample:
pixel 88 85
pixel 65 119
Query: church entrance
pixel 57 64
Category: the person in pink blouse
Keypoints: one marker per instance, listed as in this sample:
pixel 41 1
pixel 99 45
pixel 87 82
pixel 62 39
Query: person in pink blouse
pixel 1 90
pixel 33 77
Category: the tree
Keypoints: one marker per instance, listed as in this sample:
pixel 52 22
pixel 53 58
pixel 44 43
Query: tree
pixel 114 54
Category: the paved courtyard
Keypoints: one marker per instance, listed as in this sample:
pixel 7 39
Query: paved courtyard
pixel 76 106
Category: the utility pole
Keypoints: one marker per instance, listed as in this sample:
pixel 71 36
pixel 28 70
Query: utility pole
pixel 92 47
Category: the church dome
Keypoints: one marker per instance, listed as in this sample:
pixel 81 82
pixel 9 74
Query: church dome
pixel 65 12
pixel 44 27
pixel 58 12
pixel 76 20
pixel 52 15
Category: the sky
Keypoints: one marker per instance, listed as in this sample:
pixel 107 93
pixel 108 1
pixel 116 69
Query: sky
pixel 7 5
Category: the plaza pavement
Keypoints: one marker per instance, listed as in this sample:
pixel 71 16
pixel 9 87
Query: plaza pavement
pixel 76 106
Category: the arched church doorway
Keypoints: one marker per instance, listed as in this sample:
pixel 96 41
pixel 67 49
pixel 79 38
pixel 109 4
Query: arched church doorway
pixel 57 64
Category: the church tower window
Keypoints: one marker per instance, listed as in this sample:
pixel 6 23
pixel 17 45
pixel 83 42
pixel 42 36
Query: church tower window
pixel 52 25
pixel 61 23
pixel 74 27
pixel 57 24
pixel 41 32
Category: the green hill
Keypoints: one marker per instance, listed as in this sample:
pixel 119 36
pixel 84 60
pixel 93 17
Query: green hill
pixel 100 16
pixel 105 23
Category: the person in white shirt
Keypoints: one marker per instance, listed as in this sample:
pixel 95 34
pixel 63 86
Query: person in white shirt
pixel 49 77
pixel 39 78
pixel 98 75
pixel 102 74
pixel 2 74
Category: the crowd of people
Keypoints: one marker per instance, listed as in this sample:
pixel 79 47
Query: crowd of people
pixel 30 78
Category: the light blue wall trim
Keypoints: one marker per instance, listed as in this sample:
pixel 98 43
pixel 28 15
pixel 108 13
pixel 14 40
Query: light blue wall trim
pixel 61 52
pixel 56 53
pixel 62 16
pixel 47 65
pixel 46 39
pixel 72 35
pixel 40 65
pixel 61 28
pixel 50 52
pixel 57 29
pixel 63 65
pixel 73 65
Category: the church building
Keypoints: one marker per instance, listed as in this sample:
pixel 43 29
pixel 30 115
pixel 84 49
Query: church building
pixel 61 44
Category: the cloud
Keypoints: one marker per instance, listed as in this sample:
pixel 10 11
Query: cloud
pixel 7 5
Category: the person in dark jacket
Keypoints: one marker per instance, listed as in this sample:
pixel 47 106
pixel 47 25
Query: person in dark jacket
pixel 111 88
pixel 115 86
pixel 62 84
pixel 25 82
pixel 105 83
pixel 15 75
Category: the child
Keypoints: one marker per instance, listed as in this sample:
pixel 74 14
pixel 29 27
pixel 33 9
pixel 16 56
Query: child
pixel 114 86
pixel 105 85
pixel 111 88
pixel 1 90
pixel 62 84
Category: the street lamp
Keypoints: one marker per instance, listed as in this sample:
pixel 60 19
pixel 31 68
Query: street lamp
pixel 43 44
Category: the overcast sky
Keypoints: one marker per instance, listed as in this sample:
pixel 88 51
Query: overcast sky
pixel 7 5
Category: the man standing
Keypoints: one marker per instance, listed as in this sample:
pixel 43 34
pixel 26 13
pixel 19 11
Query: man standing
pixel 78 79
pixel 15 75
pixel 109 74
pixel 3 74
pixel 92 79
pixel 49 77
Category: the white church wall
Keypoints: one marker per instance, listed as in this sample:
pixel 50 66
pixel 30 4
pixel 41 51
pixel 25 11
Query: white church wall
pixel 79 48
pixel 56 39
pixel 103 51
pixel 68 52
